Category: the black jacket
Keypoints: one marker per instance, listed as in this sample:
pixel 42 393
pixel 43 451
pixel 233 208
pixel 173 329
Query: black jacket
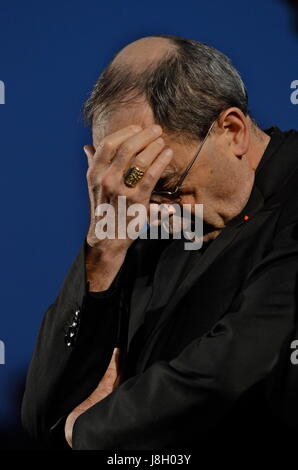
pixel 207 334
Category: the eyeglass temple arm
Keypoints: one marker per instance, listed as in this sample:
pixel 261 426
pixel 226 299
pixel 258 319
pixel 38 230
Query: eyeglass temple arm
pixel 187 169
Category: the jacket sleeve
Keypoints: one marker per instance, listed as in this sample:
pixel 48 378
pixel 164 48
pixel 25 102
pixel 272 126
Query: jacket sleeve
pixel 69 358
pixel 163 405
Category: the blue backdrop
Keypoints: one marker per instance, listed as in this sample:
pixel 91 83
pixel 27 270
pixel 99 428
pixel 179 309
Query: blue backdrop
pixel 51 54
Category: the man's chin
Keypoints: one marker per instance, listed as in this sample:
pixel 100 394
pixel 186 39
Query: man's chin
pixel 211 235
pixel 210 232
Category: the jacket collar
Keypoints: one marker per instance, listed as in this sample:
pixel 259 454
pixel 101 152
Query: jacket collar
pixel 277 164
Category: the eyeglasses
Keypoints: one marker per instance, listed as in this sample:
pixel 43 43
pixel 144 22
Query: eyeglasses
pixel 176 191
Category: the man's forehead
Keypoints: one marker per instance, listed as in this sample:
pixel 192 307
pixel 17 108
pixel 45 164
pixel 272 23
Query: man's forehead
pixel 138 112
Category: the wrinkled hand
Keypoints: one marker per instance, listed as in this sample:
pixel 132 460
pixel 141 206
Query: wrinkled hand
pixel 130 146
pixel 107 384
pixel 113 156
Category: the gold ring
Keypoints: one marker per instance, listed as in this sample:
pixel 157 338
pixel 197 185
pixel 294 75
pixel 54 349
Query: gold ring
pixel 133 176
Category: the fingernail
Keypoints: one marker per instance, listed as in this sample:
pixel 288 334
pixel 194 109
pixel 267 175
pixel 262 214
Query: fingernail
pixel 156 128
pixel 136 128
pixel 168 152
pixel 160 141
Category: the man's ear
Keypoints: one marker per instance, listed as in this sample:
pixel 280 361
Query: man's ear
pixel 235 126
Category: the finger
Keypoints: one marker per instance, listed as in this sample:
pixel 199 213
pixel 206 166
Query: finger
pixel 108 146
pixel 153 173
pixel 144 159
pixel 89 152
pixel 134 145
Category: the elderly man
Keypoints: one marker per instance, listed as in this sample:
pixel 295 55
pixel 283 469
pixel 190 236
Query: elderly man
pixel 149 345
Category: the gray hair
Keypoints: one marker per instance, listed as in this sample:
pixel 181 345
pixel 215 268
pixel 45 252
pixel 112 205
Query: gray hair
pixel 187 88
